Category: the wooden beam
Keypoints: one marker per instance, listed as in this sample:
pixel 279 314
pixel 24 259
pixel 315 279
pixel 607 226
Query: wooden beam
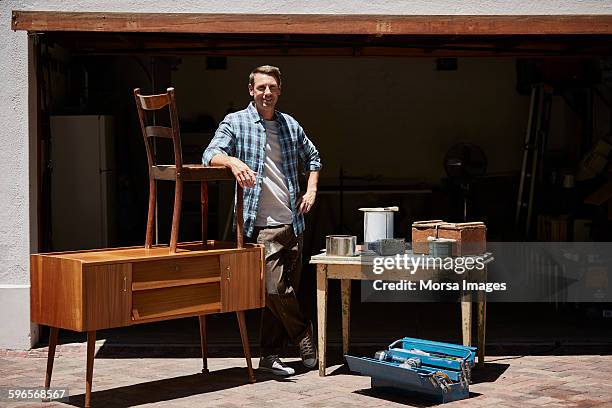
pixel 309 23
pixel 177 44
pixel 360 52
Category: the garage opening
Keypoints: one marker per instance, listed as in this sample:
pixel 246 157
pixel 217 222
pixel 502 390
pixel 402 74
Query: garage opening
pixel 389 114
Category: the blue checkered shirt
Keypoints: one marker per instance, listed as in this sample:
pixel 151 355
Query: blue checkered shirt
pixel 242 134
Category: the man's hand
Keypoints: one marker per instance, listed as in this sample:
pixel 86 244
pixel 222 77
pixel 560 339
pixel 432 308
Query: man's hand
pixel 307 201
pixel 243 173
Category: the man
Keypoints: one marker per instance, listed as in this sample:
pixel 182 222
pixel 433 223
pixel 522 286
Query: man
pixel 262 146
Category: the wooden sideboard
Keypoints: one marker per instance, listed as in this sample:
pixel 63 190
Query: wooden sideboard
pixel 87 291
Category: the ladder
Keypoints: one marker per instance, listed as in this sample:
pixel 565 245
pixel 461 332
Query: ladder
pixel 535 142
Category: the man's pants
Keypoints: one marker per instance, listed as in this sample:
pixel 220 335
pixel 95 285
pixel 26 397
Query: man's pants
pixel 282 316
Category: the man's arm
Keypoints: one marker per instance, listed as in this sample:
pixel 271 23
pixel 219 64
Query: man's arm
pixel 312 165
pixel 221 150
pixel 308 153
pixel 307 200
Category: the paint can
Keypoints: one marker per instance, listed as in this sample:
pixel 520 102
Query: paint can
pixel 377 224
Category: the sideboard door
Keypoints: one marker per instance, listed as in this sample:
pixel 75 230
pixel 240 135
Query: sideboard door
pixel 241 281
pixel 107 295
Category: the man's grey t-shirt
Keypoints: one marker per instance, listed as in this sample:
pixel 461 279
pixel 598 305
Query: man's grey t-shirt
pixel 274 200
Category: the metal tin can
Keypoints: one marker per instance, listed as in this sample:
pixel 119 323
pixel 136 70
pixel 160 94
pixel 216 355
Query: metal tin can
pixel 441 247
pixel 340 245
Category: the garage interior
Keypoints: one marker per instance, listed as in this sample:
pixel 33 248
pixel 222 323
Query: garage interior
pixel 387 113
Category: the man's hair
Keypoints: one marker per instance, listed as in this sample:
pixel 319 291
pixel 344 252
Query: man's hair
pixel 268 70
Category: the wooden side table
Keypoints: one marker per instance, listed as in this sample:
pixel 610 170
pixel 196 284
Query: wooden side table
pixel 348 268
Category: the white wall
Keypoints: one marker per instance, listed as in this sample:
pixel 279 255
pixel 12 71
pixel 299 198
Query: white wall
pixel 15 177
pixel 14 186
pixel 400 7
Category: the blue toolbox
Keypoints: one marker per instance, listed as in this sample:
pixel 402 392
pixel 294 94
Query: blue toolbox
pixel 432 370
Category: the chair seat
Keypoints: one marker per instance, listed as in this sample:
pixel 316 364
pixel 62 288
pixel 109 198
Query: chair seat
pixel 192 172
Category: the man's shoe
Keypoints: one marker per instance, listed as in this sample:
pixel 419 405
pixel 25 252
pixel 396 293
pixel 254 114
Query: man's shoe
pixel 274 365
pixel 308 351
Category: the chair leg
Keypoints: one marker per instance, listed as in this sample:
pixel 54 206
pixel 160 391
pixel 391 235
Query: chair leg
pixel 151 213
pixel 239 216
pixel 245 344
pixel 203 344
pixel 204 210
pixel 176 214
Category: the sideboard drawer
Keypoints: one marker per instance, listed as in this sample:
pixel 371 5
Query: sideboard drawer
pixel 175 272
pixel 155 304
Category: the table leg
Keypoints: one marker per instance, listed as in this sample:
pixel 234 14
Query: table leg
pixel 51 354
pixel 203 343
pixel 466 318
pixel 346 313
pixel 322 315
pixel 482 323
pixel 245 344
pixel 91 349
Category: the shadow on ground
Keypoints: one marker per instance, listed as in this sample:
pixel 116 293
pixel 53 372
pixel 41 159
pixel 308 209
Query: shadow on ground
pixel 399 397
pixel 171 388
pixel 489 373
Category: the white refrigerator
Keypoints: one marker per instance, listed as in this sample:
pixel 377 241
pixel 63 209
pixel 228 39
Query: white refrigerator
pixel 83 182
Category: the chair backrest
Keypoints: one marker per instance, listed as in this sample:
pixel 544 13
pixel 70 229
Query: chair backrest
pixel 155 103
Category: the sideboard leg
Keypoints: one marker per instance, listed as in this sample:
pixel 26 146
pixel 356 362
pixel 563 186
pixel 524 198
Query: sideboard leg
pixel 51 354
pixel 91 349
pixel 245 344
pixel 203 343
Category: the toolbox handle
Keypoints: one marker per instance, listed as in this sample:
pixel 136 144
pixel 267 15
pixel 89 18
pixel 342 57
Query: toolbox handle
pixel 469 351
pixel 392 345
pixel 436 343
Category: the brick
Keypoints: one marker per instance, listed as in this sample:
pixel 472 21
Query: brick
pixel 530 381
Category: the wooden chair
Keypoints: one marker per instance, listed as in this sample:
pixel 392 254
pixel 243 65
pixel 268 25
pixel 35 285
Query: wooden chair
pixel 180 172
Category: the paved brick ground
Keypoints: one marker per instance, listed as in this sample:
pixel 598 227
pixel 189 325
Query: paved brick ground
pixel 121 380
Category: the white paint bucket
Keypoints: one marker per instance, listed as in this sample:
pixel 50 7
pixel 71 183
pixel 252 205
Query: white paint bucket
pixel 377 224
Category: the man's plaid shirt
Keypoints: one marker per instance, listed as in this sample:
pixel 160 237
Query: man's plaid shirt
pixel 242 134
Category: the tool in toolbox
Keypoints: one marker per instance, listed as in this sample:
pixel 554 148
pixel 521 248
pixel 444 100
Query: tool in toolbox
pixel 433 370
pixel 404 361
